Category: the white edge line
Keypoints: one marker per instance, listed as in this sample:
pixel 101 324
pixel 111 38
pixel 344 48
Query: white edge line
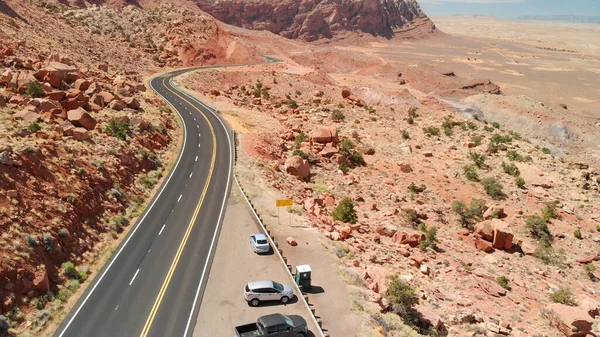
pixel 139 223
pixel 134 276
pixel 162 229
pixel 299 292
pixel 219 224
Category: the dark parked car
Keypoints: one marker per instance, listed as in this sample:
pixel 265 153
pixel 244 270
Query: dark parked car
pixel 274 325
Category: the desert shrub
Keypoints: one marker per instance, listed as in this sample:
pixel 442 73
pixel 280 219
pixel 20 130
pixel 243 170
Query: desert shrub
pixel 488 128
pixel 35 90
pixel 503 282
pixel 414 188
pixel 431 240
pixel 347 149
pixel 476 140
pixel 31 240
pixel 300 153
pixel 337 115
pixel 564 296
pixel 589 270
pixel 345 211
pixel 431 131
pixel 412 217
pixel 478 159
pixel 412 112
pixel 511 169
pixel 292 104
pixel 470 173
pixel 355 134
pixel 538 228
pixel 63 233
pixel 514 156
pixel 492 147
pixel 344 168
pixel 69 270
pixel 448 127
pixel 546 150
pixel 496 125
pixel 117 129
pixel 34 127
pixel 520 182
pixel 402 299
pixel 468 216
pixel 499 139
pixel 577 234
pixel 493 188
pixel 598 228
pixel 472 126
pixel 549 211
pixel 301 137
pixel 342 251
pixel 550 256
pixel 405 135
pixel 49 242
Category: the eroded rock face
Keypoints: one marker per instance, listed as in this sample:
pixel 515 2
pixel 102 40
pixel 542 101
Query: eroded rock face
pixel 314 19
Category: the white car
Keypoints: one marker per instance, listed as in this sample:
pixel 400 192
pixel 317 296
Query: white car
pixel 256 292
pixel 259 243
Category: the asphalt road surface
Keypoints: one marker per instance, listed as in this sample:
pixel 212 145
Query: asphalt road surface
pixel 153 284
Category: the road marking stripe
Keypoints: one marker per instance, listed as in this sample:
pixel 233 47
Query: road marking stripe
pixel 183 243
pixel 162 229
pixel 115 257
pixel 191 174
pixel 196 158
pixel 134 276
pixel 181 195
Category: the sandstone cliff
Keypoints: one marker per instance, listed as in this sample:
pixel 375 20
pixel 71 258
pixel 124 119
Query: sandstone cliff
pixel 314 19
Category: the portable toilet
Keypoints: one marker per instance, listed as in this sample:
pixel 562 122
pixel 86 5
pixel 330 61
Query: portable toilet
pixel 303 275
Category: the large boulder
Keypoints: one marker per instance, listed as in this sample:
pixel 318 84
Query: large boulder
pixel 27 116
pixel 589 305
pixel 82 84
pixel 484 229
pixel 41 283
pixel 131 103
pixel 80 134
pixel 49 75
pixel 571 321
pixel 298 167
pixel 503 237
pixel 324 134
pixel 483 245
pixel 429 317
pixel 107 97
pixel 81 118
pixel 116 105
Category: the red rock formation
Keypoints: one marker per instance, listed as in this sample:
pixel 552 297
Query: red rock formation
pixel 314 19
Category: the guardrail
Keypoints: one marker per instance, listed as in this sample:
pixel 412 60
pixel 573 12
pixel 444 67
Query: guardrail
pixel 305 299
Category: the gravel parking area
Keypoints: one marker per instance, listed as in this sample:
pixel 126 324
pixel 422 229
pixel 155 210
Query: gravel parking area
pixel 235 264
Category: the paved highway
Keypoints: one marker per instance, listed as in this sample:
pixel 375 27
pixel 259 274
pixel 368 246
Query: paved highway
pixel 153 284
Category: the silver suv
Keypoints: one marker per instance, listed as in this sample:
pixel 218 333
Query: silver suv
pixel 256 292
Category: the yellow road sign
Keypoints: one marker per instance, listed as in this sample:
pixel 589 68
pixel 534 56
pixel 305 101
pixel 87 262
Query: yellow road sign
pixel 284 202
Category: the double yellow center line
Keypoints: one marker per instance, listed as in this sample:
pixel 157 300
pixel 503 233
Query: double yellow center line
pixel 186 236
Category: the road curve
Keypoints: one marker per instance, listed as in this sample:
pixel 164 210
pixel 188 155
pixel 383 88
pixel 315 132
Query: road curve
pixel 153 284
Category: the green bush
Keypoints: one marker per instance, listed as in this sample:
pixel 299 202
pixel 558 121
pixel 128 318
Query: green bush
pixel 345 211
pixel 448 127
pixel 69 270
pixel 492 147
pixel 470 173
pixel 31 240
pixel 337 115
pixel 549 256
pixel 496 125
pixel 511 169
pixel 589 270
pixel 577 234
pixel 412 217
pixel 405 135
pixel 431 131
pixel 546 150
pixel 468 216
pixel 514 156
pixel 431 240
pixel 503 282
pixel 347 149
pixel 300 153
pixel 493 188
pixel 538 228
pixel 476 140
pixel 478 159
pixel 520 182
pixel 412 112
pixel 472 126
pixel 116 129
pixel 301 137
pixel 598 228
pixel 549 211
pixel 35 90
pixel 488 128
pixel 564 296
pixel 499 139
pixel 34 127
pixel 63 233
pixel 344 168
pixel 402 299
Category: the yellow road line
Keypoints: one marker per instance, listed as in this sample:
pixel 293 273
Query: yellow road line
pixel 167 280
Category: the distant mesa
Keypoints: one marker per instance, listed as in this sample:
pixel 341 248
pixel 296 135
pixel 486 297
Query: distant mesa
pixel 562 18
pixel 311 20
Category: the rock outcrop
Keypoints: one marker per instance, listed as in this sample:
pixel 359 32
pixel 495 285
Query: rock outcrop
pixel 315 19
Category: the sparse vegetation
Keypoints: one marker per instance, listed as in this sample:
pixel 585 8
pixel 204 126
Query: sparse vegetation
pixel 514 156
pixel 117 129
pixel 549 211
pixel 337 115
pixel 347 149
pixel 577 234
pixel 402 299
pixel 589 270
pixel 34 127
pixel 538 228
pixel 344 168
pixel 345 211
pixel 431 131
pixel 431 240
pixel 511 169
pixel 470 173
pixel 550 256
pixel 564 296
pixel 468 216
pixel 546 150
pixel 35 90
pixel 493 188
pixel 504 282
pixel 301 137
pixel 476 140
pixel 478 159
pixel 405 135
pixel 520 182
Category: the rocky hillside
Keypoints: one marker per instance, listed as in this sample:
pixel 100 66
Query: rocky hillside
pixel 315 19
